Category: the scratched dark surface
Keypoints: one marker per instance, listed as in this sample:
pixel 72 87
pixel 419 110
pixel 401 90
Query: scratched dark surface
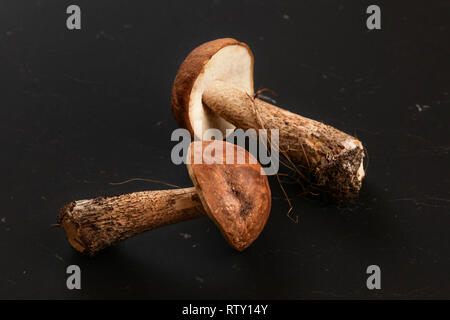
pixel 81 109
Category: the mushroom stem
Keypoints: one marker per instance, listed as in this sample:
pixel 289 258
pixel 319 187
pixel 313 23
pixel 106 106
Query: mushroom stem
pixel 333 159
pixel 94 224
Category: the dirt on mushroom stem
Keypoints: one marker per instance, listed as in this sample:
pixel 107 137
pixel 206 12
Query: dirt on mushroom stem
pixel 311 186
pixel 323 158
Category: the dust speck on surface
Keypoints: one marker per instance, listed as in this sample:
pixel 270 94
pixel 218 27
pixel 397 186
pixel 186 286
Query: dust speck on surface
pixel 286 17
pixel 421 108
pixel 185 235
pixel 103 35
pixel 57 256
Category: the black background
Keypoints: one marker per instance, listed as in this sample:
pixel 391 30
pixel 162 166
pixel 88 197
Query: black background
pixel 81 109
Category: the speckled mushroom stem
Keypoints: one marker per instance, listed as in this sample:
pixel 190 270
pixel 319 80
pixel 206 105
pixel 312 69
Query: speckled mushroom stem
pixel 94 224
pixel 332 158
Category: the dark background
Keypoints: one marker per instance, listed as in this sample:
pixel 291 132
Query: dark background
pixel 81 109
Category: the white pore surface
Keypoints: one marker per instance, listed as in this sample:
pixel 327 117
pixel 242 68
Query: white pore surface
pixel 232 65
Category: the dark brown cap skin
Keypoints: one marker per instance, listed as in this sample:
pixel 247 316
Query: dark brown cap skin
pixel 235 196
pixel 188 72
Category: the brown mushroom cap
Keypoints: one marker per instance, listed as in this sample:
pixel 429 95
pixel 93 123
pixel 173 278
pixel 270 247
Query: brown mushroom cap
pixel 235 196
pixel 227 60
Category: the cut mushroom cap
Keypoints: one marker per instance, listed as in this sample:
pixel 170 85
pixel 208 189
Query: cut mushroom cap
pixel 235 196
pixel 227 60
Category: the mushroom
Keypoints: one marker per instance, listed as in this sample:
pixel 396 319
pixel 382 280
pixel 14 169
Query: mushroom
pixel 214 89
pixel 234 195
